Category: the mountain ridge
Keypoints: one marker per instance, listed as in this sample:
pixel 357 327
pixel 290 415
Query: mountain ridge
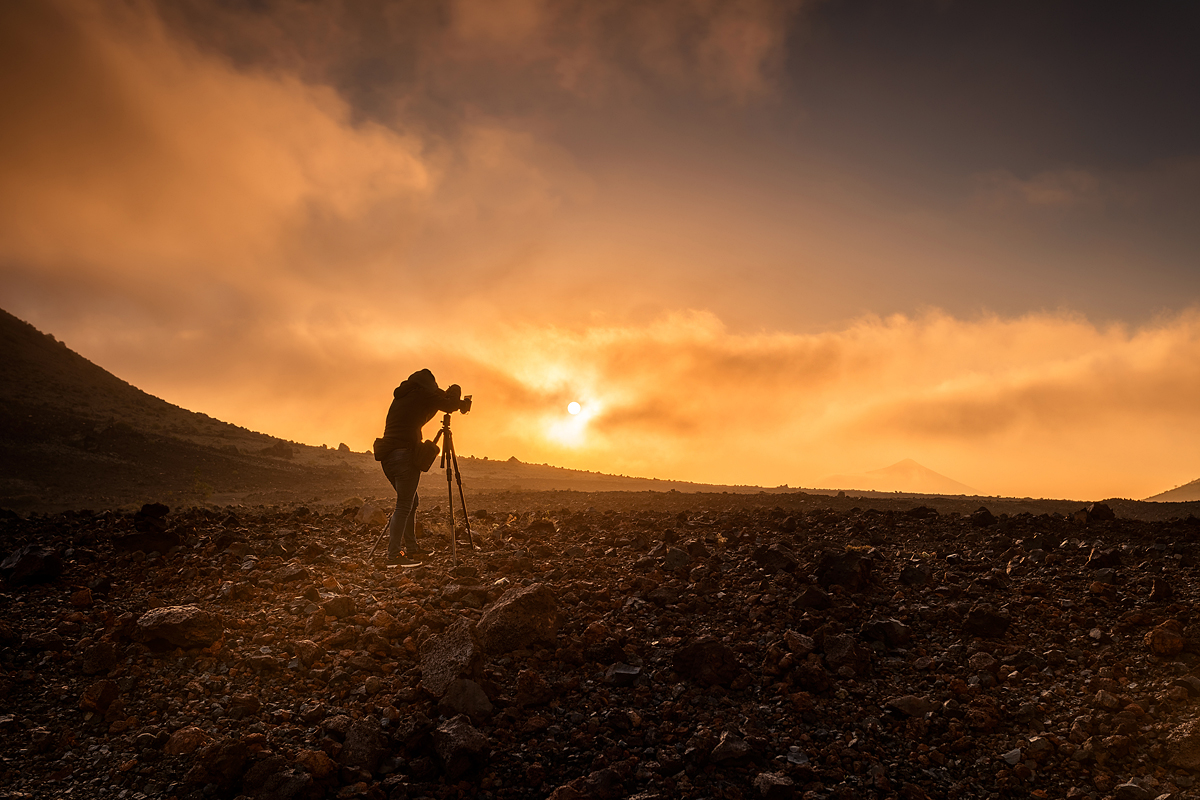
pixel 904 476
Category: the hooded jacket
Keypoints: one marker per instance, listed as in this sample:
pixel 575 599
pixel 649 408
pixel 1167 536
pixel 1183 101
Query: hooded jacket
pixel 414 403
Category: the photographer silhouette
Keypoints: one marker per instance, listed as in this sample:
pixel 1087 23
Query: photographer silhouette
pixel 414 403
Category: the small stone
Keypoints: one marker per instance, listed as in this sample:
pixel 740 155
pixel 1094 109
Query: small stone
pixel 1012 757
pixel 675 559
pixel 99 696
pixel 185 741
pixel 1166 639
pixel 1131 791
pixel 730 748
pixel 340 606
pixel 620 674
pixel 910 705
pixel 775 786
pixel 891 632
pixel 798 644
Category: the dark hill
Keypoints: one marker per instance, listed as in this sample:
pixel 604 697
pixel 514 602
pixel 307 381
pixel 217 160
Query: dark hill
pixel 73 434
pixel 1188 493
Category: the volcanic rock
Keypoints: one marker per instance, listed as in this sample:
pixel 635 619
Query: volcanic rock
pixel 1165 639
pixel 850 569
pixel 910 705
pixel 466 697
pixel 460 746
pixel 986 622
pixel 891 632
pixel 185 741
pixel 99 696
pixel 775 558
pixel 1183 746
pixel 450 656
pixel 522 616
pixel 180 626
pixel 730 748
pixel 223 762
pixel 708 661
pixel 775 786
pixel 364 745
pixel 31 564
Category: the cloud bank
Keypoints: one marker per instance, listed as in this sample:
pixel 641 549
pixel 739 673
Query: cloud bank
pixel 274 213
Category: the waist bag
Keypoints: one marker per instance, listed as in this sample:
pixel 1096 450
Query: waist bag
pixel 427 453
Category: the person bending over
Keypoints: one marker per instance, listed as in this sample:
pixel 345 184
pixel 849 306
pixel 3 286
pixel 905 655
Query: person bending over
pixel 415 402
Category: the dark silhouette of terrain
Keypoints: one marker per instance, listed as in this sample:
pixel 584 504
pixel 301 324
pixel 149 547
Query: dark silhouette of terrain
pixel 1188 493
pixel 73 434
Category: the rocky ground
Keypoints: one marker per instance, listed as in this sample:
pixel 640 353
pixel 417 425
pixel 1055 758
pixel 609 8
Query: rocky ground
pixel 611 646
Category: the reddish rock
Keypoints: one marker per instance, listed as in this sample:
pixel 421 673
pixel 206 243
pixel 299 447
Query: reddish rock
pixel 180 626
pixel 460 746
pixel 523 616
pixel 452 655
pixel 99 696
pixel 185 741
pixel 1165 639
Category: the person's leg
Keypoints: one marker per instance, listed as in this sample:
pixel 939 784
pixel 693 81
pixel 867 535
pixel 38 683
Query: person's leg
pixel 404 475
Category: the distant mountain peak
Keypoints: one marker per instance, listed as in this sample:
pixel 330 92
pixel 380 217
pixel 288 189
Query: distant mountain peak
pixel 904 476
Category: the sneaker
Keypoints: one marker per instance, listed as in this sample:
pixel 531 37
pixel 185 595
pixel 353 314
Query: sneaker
pixel 417 552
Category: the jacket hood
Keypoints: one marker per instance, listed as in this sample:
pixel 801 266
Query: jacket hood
pixel 421 378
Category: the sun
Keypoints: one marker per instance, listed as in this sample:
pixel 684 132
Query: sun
pixel 573 408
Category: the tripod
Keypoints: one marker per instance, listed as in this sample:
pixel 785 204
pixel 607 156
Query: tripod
pixel 450 462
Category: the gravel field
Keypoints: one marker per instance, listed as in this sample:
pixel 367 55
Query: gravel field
pixel 611 645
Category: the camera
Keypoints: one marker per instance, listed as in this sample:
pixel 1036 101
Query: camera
pixel 465 405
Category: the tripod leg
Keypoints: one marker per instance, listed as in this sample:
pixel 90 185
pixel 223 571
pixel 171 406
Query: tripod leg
pixel 463 499
pixel 449 443
pixel 386 527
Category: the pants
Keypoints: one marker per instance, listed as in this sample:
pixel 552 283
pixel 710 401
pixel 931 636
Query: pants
pixel 401 469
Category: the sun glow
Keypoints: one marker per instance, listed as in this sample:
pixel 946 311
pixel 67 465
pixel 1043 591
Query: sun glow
pixel 571 431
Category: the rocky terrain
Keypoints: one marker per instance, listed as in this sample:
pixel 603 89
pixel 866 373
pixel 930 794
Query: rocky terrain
pixel 608 645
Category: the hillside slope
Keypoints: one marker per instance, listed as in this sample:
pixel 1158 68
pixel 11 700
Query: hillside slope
pixel 1188 493
pixel 72 433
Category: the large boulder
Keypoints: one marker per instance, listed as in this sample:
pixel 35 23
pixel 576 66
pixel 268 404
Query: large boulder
pixel 180 626
pixel 453 655
pixel 522 616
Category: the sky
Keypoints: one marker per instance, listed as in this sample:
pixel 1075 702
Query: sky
pixel 758 242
